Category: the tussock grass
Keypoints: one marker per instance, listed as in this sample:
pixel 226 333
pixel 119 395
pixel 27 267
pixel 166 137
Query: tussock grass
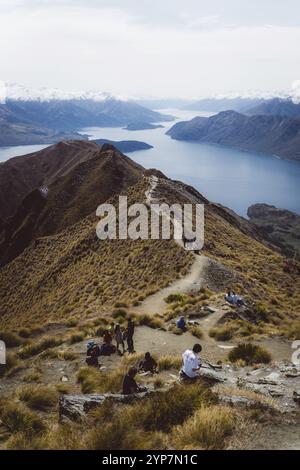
pixel 149 320
pixel 223 333
pixel 13 365
pixel 10 339
pixel 206 429
pixel 33 376
pixel 16 417
pixel 169 362
pixel 176 297
pixel 148 419
pixel 76 337
pixel 38 397
pixel 196 331
pixel 37 347
pixel 250 354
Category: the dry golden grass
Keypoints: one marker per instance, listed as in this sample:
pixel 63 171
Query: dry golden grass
pixel 38 397
pixel 250 354
pixel 74 275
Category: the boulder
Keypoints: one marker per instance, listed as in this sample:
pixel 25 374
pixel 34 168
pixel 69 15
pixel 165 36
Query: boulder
pixel 243 402
pixel 75 407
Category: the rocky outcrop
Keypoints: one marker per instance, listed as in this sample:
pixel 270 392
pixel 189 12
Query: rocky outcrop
pixel 75 407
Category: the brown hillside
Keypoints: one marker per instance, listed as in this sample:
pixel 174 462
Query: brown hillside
pixel 70 197
pixel 21 175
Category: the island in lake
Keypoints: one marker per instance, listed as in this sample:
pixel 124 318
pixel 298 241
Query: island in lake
pixel 141 126
pixel 125 146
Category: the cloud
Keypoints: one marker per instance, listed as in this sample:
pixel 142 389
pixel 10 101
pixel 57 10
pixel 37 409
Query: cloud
pixel 138 48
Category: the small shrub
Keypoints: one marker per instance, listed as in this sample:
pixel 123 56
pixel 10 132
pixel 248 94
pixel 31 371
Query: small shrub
pixel 250 354
pixel 119 312
pixel 121 305
pixel 76 337
pixel 197 332
pixel 224 333
pixel 171 298
pixel 151 321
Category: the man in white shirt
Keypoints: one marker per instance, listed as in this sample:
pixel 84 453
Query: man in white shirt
pixel 191 362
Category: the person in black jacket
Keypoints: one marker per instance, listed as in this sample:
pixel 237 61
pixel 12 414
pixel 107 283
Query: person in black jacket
pixel 130 333
pixel 129 384
pixel 148 364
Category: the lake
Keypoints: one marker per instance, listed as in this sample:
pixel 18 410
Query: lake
pixel 231 177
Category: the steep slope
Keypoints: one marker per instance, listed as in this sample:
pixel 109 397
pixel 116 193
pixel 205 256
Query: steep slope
pixel 68 199
pixel 72 273
pixel 21 175
pixel 276 107
pixel 268 134
pixel 280 225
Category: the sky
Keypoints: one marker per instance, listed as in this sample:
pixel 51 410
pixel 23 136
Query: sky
pixel 152 48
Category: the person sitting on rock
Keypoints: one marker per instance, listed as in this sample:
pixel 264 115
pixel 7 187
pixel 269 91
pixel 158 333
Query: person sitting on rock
pixel 148 364
pixel 129 384
pixel 191 363
pixel 181 324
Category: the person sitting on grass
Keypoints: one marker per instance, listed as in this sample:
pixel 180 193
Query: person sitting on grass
pixel 92 354
pixel 181 324
pixel 234 299
pixel 148 364
pixel 129 384
pixel 191 363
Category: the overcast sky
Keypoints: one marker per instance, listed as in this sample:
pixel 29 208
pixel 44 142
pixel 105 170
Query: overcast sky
pixel 151 47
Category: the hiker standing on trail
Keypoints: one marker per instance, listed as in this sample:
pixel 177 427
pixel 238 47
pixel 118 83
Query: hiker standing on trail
pixel 130 333
pixel 191 363
pixel 119 338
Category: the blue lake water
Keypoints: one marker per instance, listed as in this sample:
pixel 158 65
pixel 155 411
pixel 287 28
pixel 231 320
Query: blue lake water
pixel 233 178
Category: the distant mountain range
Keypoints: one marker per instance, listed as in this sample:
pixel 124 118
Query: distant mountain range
pixel 276 107
pixel 215 105
pixel 34 122
pixel 276 135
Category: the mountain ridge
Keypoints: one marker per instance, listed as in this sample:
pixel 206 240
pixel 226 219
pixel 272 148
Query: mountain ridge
pixel 274 135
